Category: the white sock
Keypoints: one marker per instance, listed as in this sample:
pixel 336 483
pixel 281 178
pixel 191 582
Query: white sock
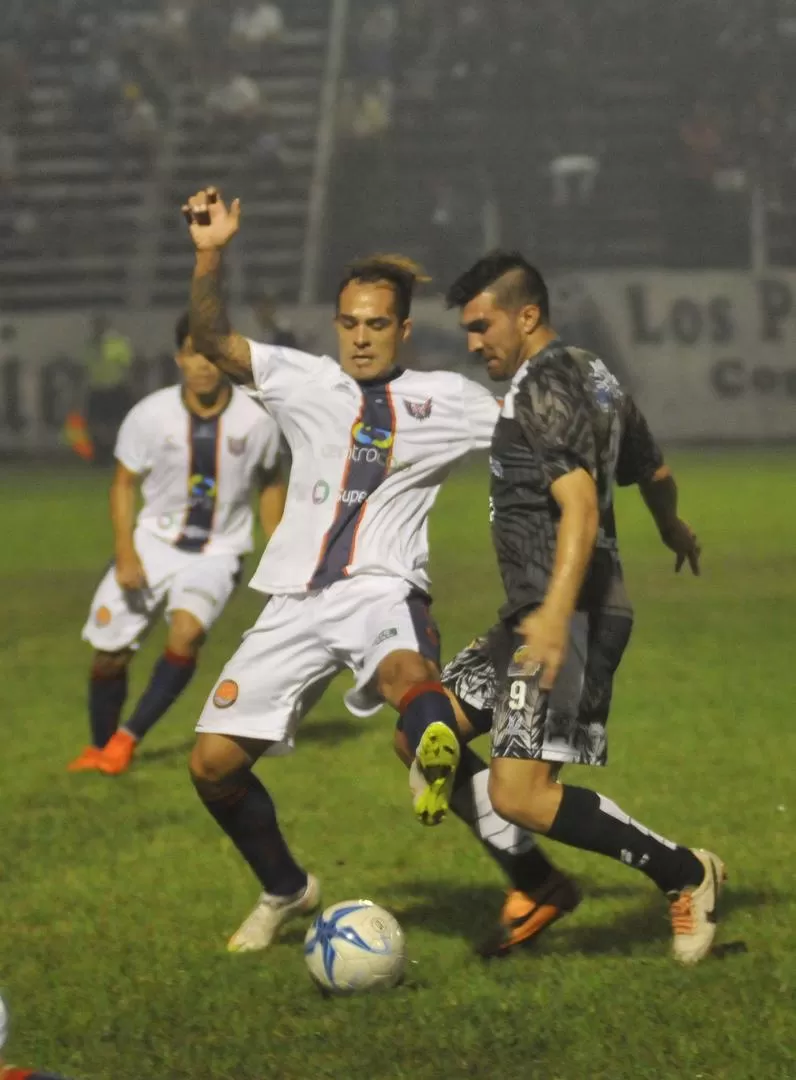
pixel 471 803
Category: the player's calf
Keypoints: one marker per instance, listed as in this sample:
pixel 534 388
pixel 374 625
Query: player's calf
pixel 107 693
pixel 428 727
pixel 220 769
pixel 170 676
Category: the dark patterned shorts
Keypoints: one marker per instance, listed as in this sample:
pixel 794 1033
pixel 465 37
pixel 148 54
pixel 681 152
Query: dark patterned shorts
pixel 566 725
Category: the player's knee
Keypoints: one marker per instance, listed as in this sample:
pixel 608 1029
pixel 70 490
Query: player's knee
pixel 186 634
pixel 107 665
pixel 400 672
pixel 517 802
pixel 210 771
pixel 401 746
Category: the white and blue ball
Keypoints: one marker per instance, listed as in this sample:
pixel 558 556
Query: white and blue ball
pixel 355 945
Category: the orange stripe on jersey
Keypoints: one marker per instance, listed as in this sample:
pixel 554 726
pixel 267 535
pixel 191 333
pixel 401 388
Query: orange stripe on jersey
pixel 369 456
pixel 346 475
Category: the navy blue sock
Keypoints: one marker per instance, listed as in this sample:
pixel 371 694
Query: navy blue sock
pixel 421 706
pixel 248 817
pixel 106 698
pixel 170 676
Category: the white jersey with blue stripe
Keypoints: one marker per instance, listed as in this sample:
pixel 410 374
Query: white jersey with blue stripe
pixel 198 472
pixel 367 463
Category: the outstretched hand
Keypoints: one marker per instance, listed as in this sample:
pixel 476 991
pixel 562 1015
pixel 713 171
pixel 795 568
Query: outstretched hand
pixel 680 538
pixel 211 222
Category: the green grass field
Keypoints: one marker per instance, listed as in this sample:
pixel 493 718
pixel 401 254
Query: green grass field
pixel 116 896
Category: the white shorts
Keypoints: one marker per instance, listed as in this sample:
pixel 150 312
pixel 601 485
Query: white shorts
pixel 298 645
pixel 180 580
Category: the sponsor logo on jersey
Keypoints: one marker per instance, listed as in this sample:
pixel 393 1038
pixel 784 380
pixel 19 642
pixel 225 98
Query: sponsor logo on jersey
pixel 320 493
pixel 366 435
pixel 236 447
pixel 419 410
pixel 391 631
pixel 102 616
pixel 369 455
pixel 226 694
pixel 352 498
pixel 496 468
pixel 201 488
pixel 170 444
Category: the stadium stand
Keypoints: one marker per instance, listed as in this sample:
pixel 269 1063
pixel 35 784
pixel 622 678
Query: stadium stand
pixel 580 146
pixel 592 143
pixel 117 112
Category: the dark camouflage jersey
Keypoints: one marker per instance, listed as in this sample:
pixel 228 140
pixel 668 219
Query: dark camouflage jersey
pixel 564 411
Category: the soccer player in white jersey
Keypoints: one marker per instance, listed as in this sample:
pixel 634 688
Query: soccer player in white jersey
pixel 198 450
pixel 347 567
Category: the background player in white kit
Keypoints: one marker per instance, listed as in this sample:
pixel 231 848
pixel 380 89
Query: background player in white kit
pixel 347 567
pixel 199 450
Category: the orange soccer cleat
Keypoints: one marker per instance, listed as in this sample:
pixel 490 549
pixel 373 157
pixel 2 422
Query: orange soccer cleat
pixel 87 759
pixel 118 754
pixel 526 915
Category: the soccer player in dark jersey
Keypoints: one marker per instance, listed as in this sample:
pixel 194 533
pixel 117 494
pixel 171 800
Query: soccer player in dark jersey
pixel 567 433
pixel 472 681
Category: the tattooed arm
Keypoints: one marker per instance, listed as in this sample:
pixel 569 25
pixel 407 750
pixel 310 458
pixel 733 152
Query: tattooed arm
pixel 211 332
pixel 212 225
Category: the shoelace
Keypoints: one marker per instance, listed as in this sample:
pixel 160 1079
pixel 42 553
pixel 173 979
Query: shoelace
pixel 682 914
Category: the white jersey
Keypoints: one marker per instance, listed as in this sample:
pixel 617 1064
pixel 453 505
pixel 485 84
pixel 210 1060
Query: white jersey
pixel 367 463
pixel 199 472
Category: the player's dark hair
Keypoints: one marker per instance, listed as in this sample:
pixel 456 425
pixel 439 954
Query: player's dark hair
pixel 518 283
pixel 400 272
pixel 182 330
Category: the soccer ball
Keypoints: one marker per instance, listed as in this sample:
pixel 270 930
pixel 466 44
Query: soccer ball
pixel 355 945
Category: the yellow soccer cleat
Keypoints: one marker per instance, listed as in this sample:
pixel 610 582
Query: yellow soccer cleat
pixel 433 771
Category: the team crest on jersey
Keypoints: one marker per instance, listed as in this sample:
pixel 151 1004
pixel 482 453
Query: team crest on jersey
pixel 236 446
pixel 344 388
pixel 102 616
pixel 606 385
pixel 419 410
pixel 226 694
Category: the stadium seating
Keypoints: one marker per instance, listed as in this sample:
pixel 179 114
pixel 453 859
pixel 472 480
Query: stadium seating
pixel 92 217
pixel 438 149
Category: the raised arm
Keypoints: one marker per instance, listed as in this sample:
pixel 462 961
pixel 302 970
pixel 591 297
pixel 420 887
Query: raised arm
pixel 212 225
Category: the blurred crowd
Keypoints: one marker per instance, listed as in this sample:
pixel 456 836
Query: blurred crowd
pixel 119 71
pixel 486 119
pixel 553 90
pixel 130 55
